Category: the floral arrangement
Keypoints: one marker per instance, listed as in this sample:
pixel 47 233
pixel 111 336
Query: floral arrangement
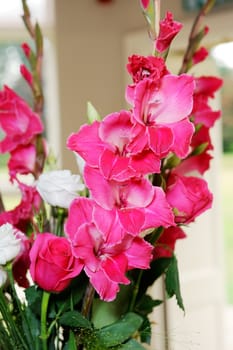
pixel 85 248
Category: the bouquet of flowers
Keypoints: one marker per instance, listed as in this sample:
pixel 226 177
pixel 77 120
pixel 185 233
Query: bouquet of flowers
pixel 78 253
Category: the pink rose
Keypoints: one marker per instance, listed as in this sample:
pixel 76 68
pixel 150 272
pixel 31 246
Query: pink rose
pixel 189 196
pixel 53 265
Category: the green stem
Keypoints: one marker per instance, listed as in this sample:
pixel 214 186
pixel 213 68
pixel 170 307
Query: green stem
pixel 14 333
pixel 44 309
pixel 135 291
pixel 19 304
pixel 87 301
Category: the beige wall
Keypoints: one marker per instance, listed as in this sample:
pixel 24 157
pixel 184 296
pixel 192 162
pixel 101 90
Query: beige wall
pixel 90 57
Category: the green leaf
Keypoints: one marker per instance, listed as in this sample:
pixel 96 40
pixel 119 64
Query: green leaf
pixel 92 113
pixel 132 344
pixel 157 268
pixel 71 344
pixel 104 313
pixel 145 331
pixel 146 304
pixel 118 332
pixel 75 319
pixel 34 296
pixel 39 40
pixel 172 282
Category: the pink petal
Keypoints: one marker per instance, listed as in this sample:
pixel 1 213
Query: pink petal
pixel 132 220
pixel 139 254
pixel 183 132
pixel 99 187
pixel 199 163
pixel 159 212
pixel 106 288
pixel 114 167
pixel 85 243
pixel 109 227
pixel 115 268
pixel 140 139
pixel 160 140
pixel 145 162
pixel 174 99
pixel 80 212
pixel 138 193
pixel 85 141
pixel 115 129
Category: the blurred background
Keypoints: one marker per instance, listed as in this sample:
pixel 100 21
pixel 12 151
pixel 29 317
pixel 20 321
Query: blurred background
pixel 86 48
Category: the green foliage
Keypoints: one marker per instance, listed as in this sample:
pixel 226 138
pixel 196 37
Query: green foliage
pixel 74 319
pixel 172 282
pixel 120 331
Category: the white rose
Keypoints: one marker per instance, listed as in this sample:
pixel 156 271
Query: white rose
pixel 10 245
pixel 3 277
pixel 59 187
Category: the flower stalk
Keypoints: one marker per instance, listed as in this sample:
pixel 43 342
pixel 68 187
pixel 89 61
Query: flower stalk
pixel 195 36
pixel 44 308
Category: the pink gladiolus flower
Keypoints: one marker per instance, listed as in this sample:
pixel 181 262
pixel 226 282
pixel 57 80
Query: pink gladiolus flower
pixel 22 160
pixel 23 213
pixel 140 67
pixel 138 204
pixel 107 251
pixel 189 196
pixel 167 31
pixel 53 265
pixel 165 245
pixel 203 113
pixel 26 49
pixel 17 120
pixel 207 85
pixel 157 109
pixel 200 55
pixel 198 163
pixel 144 3
pixel 144 67
pixel 27 75
pixel 111 139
